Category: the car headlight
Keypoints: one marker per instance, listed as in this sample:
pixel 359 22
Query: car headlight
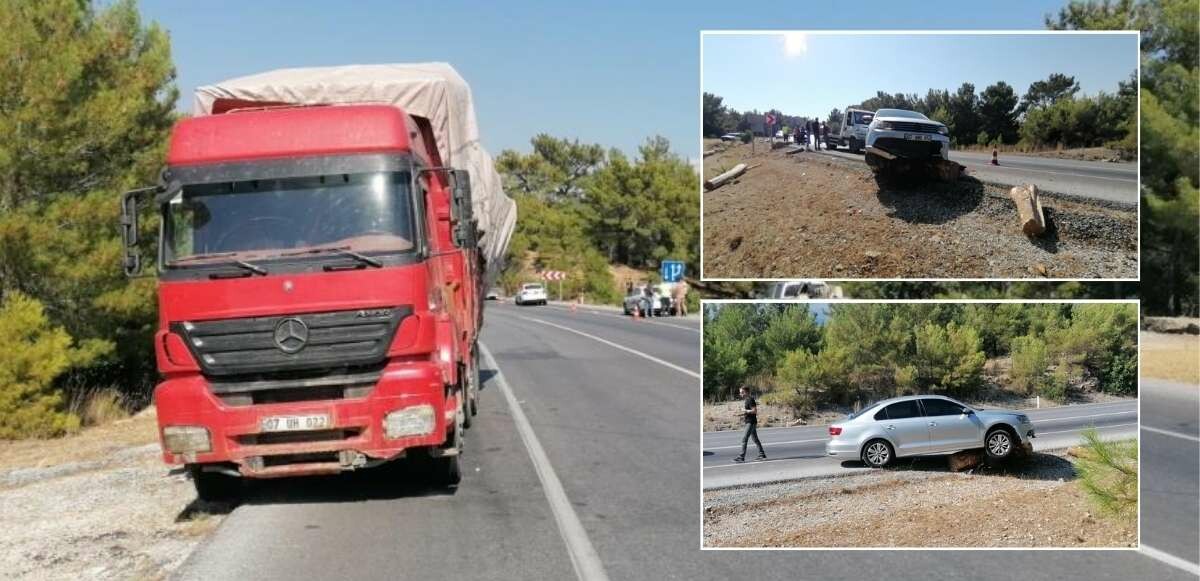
pixel 883 125
pixel 943 130
pixel 186 439
pixel 1024 419
pixel 411 421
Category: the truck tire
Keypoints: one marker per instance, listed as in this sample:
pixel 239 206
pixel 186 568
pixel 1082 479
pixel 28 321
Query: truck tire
pixel 214 486
pixel 855 147
pixel 445 472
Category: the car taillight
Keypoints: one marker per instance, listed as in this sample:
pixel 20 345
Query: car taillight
pixel 835 430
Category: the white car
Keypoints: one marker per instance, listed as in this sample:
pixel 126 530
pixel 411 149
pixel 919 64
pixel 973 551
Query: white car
pixel 531 293
pixel 896 133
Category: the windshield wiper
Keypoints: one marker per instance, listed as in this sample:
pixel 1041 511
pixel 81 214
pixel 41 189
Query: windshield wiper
pixel 342 251
pixel 248 266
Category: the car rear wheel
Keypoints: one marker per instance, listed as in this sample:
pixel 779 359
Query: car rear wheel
pixel 999 444
pixel 877 454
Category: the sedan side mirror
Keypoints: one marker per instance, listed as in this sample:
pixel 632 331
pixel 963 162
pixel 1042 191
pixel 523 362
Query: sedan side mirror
pixel 968 412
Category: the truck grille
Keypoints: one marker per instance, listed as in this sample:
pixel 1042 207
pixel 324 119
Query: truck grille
pixel 914 127
pixel 285 343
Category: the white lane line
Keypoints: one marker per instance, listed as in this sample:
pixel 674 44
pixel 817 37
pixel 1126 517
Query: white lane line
pixel 1170 433
pixel 1052 420
pixel 765 444
pixel 1169 559
pixel 584 558
pixel 607 314
pixel 621 347
pixel 1076 175
pixel 1080 430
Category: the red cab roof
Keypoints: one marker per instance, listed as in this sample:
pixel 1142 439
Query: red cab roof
pixel 290 132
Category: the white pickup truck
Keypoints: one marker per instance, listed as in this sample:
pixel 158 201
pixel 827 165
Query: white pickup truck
pixel 852 132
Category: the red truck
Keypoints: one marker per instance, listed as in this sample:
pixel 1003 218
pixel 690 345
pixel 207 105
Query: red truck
pixel 326 236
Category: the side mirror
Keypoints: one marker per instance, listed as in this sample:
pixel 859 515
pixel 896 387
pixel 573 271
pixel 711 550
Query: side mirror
pixel 462 209
pixel 968 412
pixel 129 230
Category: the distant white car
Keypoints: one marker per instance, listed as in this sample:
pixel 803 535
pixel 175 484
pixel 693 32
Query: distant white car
pixel 731 137
pixel 896 133
pixel 493 294
pixel 531 293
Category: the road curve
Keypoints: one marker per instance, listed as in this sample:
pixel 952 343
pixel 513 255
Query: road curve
pixel 1105 181
pixel 619 430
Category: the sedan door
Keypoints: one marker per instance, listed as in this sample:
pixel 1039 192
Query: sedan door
pixel 949 428
pixel 906 427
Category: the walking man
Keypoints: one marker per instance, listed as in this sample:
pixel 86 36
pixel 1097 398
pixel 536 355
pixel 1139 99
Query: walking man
pixel 750 413
pixel 679 297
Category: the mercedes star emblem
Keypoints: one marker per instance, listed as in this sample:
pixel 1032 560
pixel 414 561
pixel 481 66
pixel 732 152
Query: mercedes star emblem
pixel 291 335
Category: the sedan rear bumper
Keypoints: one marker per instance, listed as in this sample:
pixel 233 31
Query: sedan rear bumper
pixel 841 448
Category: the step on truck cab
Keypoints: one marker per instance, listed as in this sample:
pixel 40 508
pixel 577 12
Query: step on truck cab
pixel 325 239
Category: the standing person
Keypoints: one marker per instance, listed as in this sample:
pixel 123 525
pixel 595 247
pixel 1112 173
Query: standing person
pixel 797 135
pixel 825 133
pixel 816 133
pixel 679 297
pixel 750 414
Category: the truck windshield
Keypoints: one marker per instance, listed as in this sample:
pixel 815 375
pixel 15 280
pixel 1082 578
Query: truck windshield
pixel 263 219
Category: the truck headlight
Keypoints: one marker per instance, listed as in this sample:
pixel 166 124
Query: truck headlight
pixel 410 421
pixel 186 439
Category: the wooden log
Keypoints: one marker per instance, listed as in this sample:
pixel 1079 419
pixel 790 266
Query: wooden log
pixel 965 459
pixel 1029 209
pixel 720 180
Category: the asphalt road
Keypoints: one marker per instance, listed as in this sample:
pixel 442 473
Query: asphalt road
pixel 1112 182
pixel 800 451
pixel 582 465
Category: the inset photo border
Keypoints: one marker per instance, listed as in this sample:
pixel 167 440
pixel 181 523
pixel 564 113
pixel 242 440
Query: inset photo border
pixel 820 379
pixel 1041 129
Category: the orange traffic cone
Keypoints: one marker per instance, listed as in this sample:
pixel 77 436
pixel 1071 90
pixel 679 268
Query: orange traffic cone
pixel 995 156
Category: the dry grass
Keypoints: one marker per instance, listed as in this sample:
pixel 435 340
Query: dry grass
pixel 1171 357
pixel 88 444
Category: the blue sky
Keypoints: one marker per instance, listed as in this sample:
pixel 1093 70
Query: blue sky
pixel 810 74
pixel 612 73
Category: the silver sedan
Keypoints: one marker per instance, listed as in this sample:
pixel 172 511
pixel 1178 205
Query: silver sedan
pixel 916 425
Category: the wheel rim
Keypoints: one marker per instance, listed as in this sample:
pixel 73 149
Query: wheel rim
pixel 877 454
pixel 999 444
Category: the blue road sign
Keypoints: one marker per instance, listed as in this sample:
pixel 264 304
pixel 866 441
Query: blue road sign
pixel 672 270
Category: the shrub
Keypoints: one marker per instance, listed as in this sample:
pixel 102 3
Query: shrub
pixel 747 136
pixel 1108 473
pixel 33 353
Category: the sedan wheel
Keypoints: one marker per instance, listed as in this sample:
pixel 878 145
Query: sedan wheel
pixel 877 454
pixel 999 444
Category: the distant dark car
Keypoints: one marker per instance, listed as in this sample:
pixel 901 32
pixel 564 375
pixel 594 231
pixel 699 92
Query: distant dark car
pixel 493 294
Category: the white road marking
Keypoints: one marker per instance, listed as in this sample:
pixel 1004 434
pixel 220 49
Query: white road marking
pixel 1169 559
pixel 739 446
pixel 617 346
pixel 1084 428
pixel 1052 420
pixel 608 314
pixel 584 557
pixel 1170 433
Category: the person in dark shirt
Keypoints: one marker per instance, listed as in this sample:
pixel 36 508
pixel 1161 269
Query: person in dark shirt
pixel 750 414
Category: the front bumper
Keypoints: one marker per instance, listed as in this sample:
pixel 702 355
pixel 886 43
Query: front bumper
pixel 898 144
pixel 354 439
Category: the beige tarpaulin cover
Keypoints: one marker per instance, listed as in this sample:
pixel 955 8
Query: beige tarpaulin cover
pixel 434 91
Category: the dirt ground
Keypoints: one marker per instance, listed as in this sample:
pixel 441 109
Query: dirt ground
pixel 98 505
pixel 1171 357
pixel 1031 504
pixel 810 215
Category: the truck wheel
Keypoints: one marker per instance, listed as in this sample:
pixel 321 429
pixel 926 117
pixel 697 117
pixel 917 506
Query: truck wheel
pixel 475 377
pixel 445 471
pixel 214 486
pixel 854 146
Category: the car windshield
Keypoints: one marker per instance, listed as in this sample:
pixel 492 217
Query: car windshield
pixel 900 113
pixel 861 118
pixel 257 219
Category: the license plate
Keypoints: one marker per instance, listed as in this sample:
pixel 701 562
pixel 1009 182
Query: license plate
pixel 294 423
pixel 918 137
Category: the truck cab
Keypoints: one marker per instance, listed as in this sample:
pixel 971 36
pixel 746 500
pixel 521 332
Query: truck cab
pixel 853 130
pixel 319 294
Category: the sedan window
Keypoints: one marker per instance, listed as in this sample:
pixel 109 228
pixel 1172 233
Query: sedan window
pixel 940 407
pixel 903 409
